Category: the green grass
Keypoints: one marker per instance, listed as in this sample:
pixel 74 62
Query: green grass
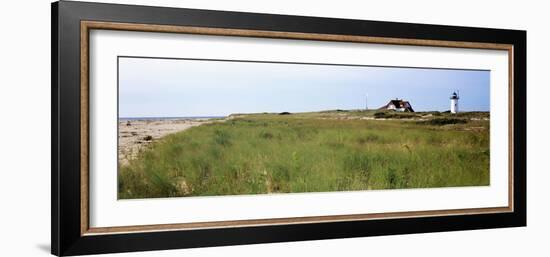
pixel 311 152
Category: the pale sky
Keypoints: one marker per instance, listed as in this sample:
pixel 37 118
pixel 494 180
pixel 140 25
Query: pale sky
pixel 185 88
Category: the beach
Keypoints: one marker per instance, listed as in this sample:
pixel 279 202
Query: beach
pixel 136 134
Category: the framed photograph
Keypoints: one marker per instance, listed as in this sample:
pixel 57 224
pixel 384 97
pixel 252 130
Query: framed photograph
pixel 178 128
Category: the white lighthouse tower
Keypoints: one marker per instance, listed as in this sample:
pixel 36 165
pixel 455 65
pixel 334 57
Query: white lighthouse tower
pixel 454 102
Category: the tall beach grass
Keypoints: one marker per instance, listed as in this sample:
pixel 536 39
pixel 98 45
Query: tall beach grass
pixel 270 153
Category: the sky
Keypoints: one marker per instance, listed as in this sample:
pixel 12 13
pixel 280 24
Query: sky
pixel 150 87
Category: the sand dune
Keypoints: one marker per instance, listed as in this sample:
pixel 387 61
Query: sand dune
pixel 134 135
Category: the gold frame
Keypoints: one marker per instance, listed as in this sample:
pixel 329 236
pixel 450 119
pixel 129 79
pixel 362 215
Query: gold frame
pixel 86 26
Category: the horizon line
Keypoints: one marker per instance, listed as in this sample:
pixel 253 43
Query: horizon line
pixel 249 113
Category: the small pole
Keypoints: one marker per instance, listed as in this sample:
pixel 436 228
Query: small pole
pixel 366 102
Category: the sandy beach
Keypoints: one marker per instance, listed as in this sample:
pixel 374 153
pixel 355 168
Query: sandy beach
pixel 134 135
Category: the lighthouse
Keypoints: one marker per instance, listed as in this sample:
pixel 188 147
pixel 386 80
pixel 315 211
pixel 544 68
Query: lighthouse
pixel 454 102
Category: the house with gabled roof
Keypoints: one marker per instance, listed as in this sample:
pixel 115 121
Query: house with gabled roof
pixel 399 105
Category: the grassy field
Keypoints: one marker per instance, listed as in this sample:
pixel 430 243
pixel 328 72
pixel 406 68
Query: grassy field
pixel 313 152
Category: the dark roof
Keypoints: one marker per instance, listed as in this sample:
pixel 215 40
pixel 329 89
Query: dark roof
pixel 399 104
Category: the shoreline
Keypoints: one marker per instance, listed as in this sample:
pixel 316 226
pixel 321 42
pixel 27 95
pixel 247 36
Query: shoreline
pixel 191 118
pixel 137 134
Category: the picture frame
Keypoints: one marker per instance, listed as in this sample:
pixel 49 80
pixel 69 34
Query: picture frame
pixel 71 129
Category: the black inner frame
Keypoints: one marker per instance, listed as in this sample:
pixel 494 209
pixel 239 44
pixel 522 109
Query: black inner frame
pixel 65 167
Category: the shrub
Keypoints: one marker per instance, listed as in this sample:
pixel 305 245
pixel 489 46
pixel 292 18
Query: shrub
pixel 379 115
pixel 395 115
pixel 266 135
pixel 221 137
pixel 443 121
pixel 369 138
